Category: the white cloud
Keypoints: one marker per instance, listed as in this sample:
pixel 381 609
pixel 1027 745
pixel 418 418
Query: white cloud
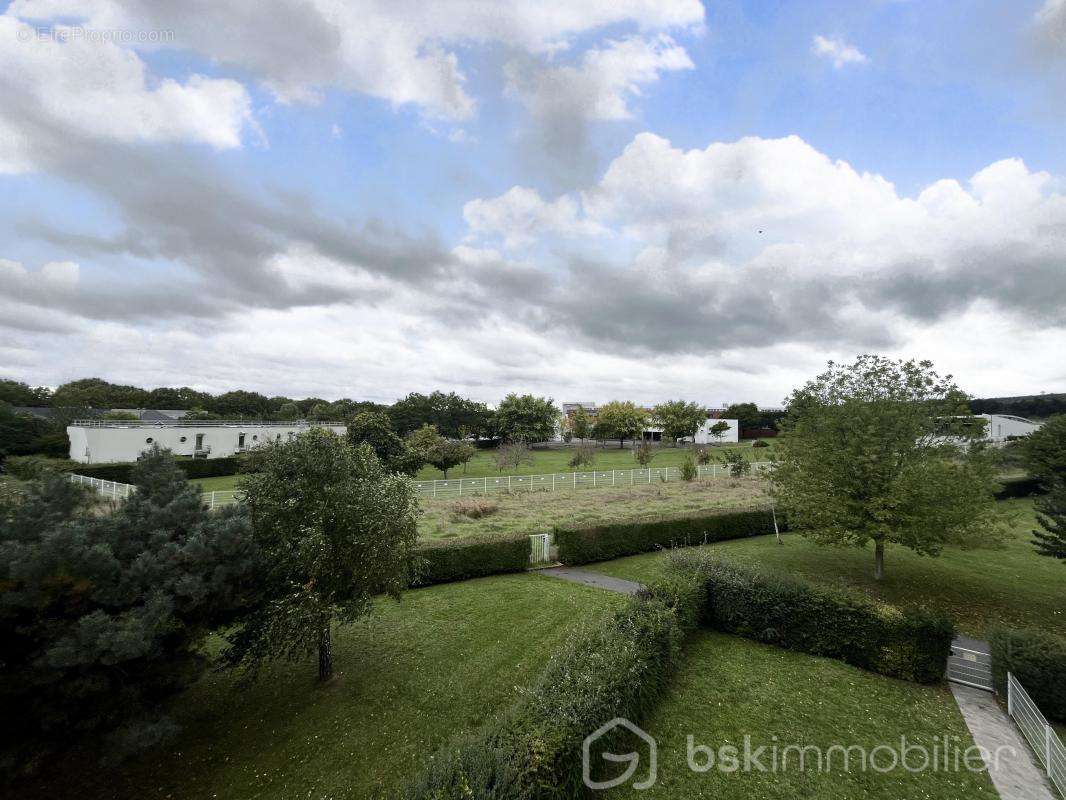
pixel 103 91
pixel 1051 22
pixel 838 51
pixel 520 215
pixel 599 88
pixel 400 53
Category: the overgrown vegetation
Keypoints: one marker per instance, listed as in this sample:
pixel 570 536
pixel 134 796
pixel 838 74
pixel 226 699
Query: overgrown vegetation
pixel 1038 660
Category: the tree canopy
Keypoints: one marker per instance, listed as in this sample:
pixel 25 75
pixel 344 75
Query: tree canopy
pixel 679 419
pixel 620 420
pixel 1045 457
pixel 336 528
pixel 375 429
pixel 526 418
pixel 864 459
pixel 453 416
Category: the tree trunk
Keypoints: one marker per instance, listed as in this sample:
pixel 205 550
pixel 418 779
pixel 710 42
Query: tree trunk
pixel 621 443
pixel 879 559
pixel 325 653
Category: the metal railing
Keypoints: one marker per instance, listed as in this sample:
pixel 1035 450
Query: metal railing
pixel 1038 732
pixel 200 423
pixel 111 489
pixel 457 487
pixel 970 667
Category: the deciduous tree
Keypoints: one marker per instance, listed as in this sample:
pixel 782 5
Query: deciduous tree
pixel 863 461
pixel 375 429
pixel 620 420
pixel 336 528
pixel 526 418
pixel 678 419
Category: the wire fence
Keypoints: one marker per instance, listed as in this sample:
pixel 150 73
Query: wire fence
pixel 558 481
pixel 1038 732
pixel 473 487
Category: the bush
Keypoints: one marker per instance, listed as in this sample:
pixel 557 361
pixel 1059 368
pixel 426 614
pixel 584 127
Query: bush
pixel 1038 660
pixel 688 469
pixel 616 668
pixel 582 545
pixel 912 644
pixel 29 468
pixel 760 443
pixel 473 509
pixel 446 560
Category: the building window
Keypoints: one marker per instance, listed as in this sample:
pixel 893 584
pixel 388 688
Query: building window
pixel 240 440
pixel 255 438
pixel 183 438
pixel 148 440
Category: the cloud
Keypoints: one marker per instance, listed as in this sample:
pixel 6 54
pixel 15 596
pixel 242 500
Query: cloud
pixel 838 51
pixel 101 90
pixel 1050 21
pixel 519 216
pixel 399 52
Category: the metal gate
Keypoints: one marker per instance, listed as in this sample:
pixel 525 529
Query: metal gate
pixel 1048 747
pixel 540 548
pixel 970 664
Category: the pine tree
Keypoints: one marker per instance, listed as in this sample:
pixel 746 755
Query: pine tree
pixel 1051 514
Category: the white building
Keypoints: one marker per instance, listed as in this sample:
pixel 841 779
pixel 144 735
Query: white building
pixel 703 435
pixel 1000 427
pixel 109 441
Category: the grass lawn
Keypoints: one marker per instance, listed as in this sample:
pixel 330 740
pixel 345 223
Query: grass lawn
pixel 729 688
pixel 537 512
pixel 546 462
pixel 1012 585
pixel 441 662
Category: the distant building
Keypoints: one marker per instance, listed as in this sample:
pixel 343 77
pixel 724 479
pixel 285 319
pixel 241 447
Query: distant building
pixel 1001 427
pixel 651 433
pixel 97 441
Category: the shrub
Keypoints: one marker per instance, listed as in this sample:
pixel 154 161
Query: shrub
pixel 760 443
pixel 688 469
pixel 29 468
pixel 443 561
pixel 473 509
pixel 703 456
pixel 582 545
pixel 615 668
pixel 1038 660
pixel 912 644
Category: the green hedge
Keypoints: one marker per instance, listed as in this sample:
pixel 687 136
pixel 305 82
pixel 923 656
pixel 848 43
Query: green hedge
pixel 582 545
pixel 912 644
pixel 445 560
pixel 193 468
pixel 615 668
pixel 30 468
pixel 1038 661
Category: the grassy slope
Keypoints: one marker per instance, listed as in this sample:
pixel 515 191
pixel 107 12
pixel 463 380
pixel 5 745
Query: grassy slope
pixel 1013 585
pixel 545 462
pixel 729 687
pixel 438 663
pixel 539 511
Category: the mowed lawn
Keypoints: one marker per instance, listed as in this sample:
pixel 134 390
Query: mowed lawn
pixel 729 688
pixel 546 462
pixel 440 662
pixel 538 512
pixel 1012 585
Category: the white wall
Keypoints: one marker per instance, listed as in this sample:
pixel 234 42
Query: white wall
pixel 703 435
pixel 1000 426
pixel 124 443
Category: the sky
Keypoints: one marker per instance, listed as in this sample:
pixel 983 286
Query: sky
pixel 612 199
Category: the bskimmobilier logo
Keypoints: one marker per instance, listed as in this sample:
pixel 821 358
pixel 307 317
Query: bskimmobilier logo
pixel 633 757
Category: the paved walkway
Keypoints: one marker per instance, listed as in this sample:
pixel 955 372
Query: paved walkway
pixel 593 579
pixel 1014 773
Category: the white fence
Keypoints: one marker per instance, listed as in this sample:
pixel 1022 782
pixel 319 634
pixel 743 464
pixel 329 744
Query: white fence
pixel 457 487
pixel 112 489
pixel 1038 732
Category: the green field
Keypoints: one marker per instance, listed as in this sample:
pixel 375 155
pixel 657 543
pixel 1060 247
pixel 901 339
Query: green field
pixel 538 512
pixel 546 461
pixel 729 688
pixel 1012 585
pixel 438 663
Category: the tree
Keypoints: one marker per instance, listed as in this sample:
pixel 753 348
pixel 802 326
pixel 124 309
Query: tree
pixel 375 429
pixel 454 417
pixel 584 456
pixel 718 430
pixel 703 456
pixel 289 411
pixel 105 614
pixel 17 393
pixel 579 423
pixel 736 463
pixel 862 461
pixel 512 455
pixel 688 469
pixel 644 454
pixel 620 420
pixel 440 452
pixel 747 415
pixel 678 419
pixel 1045 457
pixel 526 418
pixel 336 529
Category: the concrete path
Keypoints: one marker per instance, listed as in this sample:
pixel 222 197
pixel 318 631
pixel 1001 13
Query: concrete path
pixel 593 579
pixel 1014 773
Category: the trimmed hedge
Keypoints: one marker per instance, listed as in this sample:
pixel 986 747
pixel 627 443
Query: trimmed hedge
pixel 912 644
pixel 1038 661
pixel 582 545
pixel 616 668
pixel 192 467
pixel 446 560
